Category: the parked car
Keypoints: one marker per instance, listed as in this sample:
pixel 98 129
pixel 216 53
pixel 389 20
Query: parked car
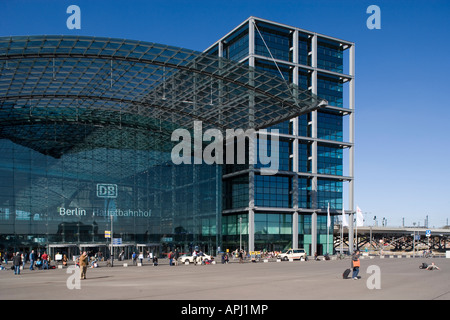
pixel 294 254
pixel 190 258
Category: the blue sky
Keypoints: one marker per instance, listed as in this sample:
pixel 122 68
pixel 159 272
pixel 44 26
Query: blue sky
pixel 402 139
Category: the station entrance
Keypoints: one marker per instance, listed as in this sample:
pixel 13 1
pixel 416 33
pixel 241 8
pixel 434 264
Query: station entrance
pixel 149 249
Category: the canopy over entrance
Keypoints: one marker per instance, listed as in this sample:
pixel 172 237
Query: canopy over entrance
pixel 73 86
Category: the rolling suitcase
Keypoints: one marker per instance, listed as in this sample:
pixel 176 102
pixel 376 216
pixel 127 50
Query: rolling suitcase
pixel 345 274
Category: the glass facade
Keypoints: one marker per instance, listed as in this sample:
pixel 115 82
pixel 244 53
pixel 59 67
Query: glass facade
pixel 273 191
pixel 330 87
pixel 330 55
pixel 311 157
pixel 85 142
pixel 272 230
pixel 75 198
pixel 237 45
pixel 276 38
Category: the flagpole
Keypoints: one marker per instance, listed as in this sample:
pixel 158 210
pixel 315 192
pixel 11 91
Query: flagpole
pixel 342 227
pixel 356 230
pixel 359 219
pixel 328 228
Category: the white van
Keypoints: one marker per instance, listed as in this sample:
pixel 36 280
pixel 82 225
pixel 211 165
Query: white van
pixel 294 254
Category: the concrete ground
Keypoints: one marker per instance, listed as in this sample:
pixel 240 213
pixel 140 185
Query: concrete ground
pixel 398 278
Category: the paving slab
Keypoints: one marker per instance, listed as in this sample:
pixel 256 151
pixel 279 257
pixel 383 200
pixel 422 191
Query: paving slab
pixel 387 279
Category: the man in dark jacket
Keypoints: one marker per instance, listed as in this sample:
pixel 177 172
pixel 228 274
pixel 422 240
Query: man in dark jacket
pixel 32 259
pixel 83 261
pixel 17 262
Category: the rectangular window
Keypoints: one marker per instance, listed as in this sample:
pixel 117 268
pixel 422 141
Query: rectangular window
pixel 330 88
pixel 266 148
pixel 273 223
pixel 329 191
pixel 329 160
pixel 329 55
pixel 235 47
pixel 273 191
pixel 276 38
pixel 330 126
pixel 304 47
pixel 235 192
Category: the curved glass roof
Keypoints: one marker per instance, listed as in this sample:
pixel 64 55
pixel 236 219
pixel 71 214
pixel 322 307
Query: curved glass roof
pixel 103 82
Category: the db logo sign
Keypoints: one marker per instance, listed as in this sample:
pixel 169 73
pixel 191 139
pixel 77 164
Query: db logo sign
pixel 106 190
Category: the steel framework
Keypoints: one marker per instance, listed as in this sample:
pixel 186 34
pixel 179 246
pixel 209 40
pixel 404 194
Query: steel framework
pixel 68 85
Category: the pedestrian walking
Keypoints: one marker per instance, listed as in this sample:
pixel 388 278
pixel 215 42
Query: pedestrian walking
pixel 32 259
pixel 17 262
pixel 83 263
pixel 133 257
pixel 355 265
pixel 170 258
pixel 24 260
pixel 44 258
pixel 176 255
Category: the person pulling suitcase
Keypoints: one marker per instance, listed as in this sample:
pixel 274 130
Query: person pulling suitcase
pixel 355 265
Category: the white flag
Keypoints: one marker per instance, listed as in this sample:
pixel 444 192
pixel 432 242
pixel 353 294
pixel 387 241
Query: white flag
pixel 359 217
pixel 344 217
pixel 328 216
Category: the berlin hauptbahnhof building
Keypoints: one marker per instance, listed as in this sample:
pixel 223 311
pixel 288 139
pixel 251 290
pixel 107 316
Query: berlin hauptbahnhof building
pixel 86 142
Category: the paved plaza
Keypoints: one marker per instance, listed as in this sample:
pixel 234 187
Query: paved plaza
pixel 399 278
